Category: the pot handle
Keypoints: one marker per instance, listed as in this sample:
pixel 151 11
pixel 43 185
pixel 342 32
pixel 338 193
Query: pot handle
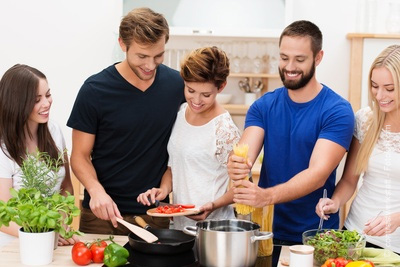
pixel 190 230
pixel 261 236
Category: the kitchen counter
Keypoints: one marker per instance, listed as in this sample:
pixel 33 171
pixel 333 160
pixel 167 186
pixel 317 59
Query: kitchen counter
pixel 9 254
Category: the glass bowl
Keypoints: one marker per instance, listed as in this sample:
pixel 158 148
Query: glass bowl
pixel 331 243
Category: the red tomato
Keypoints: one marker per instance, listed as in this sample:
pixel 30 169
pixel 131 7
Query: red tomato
pixel 188 206
pixel 97 249
pixel 341 262
pixel 81 254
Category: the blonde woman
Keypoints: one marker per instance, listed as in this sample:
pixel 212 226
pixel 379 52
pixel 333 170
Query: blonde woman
pixel 200 142
pixel 375 153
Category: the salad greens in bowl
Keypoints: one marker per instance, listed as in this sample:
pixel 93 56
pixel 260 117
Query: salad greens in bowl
pixel 330 243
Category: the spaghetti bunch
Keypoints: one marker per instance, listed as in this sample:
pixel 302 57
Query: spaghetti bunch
pixel 264 217
pixel 242 150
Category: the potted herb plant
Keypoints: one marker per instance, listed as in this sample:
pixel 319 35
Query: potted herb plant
pixel 38 209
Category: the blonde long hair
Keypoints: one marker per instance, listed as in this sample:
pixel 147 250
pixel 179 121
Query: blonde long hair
pixel 390 59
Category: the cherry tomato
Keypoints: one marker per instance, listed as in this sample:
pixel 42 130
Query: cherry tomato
pixel 341 262
pixel 97 249
pixel 81 254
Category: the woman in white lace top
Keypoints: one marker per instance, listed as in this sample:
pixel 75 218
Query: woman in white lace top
pixel 200 142
pixel 375 155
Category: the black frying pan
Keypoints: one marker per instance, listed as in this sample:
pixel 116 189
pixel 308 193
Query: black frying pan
pixel 169 241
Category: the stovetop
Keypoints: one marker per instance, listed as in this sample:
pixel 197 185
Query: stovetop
pixel 185 259
pixel 140 259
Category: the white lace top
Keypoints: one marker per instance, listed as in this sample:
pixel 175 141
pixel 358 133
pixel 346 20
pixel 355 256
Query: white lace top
pixel 198 156
pixel 380 188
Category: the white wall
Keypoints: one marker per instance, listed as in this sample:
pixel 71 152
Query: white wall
pixel 67 40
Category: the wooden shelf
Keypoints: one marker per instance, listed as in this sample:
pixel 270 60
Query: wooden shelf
pixel 236 109
pixel 254 75
pixel 373 35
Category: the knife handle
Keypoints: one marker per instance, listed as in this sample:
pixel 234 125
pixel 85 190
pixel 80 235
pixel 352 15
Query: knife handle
pixel 141 222
pixel 156 202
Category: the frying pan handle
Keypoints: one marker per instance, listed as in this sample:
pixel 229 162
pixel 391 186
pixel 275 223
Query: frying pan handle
pixel 139 220
pixel 261 236
pixel 190 230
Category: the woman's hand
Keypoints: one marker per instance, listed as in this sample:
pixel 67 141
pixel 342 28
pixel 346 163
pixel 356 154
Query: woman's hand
pixel 382 225
pixel 68 242
pixel 205 210
pixel 326 206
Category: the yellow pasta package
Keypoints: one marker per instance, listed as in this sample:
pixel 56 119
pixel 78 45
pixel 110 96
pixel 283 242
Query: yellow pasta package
pixel 242 150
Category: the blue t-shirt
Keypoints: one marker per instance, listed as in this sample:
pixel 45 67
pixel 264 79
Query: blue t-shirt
pixel 132 130
pixel 291 131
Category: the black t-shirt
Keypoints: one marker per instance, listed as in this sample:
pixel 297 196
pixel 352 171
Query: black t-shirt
pixel 132 129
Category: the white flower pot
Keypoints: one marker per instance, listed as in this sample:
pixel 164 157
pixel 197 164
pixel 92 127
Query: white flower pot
pixel 36 248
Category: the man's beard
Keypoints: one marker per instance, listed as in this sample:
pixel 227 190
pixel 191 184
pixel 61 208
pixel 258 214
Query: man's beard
pixel 304 79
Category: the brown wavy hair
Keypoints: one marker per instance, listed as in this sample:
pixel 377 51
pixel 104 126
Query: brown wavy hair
pixel 144 26
pixel 207 64
pixel 18 90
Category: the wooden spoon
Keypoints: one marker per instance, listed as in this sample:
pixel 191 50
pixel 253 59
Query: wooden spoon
pixel 140 232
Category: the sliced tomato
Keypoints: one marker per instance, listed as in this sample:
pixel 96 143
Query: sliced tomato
pixel 188 206
pixel 169 209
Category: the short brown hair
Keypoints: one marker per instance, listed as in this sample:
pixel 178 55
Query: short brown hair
pixel 144 26
pixel 207 64
pixel 304 28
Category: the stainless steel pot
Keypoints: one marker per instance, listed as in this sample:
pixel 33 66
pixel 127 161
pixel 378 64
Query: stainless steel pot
pixel 227 242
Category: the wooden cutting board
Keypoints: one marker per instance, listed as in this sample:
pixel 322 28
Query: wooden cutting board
pixel 153 212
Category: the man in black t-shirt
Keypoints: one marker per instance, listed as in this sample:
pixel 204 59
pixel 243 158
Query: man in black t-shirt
pixel 121 120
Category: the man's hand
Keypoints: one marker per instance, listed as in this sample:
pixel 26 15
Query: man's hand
pixel 248 193
pixel 238 168
pixel 149 197
pixel 104 207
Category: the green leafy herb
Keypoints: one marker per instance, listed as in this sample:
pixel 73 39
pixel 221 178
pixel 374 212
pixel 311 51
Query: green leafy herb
pixel 35 207
pixel 40 171
pixel 336 243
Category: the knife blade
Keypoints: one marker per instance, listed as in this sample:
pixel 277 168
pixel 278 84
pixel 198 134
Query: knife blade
pixel 158 203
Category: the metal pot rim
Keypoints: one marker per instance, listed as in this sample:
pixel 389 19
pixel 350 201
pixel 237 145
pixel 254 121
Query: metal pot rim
pixel 254 226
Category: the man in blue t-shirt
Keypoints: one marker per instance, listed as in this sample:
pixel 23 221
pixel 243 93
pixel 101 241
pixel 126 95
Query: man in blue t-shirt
pixel 122 120
pixel 305 128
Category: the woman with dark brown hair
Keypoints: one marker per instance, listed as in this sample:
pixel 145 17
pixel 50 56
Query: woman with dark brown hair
pixel 25 129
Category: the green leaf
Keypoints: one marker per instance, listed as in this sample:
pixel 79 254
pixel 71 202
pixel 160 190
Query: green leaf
pixel 53 214
pixel 34 221
pixel 13 193
pixel 51 223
